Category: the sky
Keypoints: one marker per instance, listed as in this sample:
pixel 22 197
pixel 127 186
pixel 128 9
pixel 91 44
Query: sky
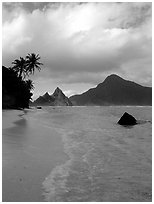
pixel 80 44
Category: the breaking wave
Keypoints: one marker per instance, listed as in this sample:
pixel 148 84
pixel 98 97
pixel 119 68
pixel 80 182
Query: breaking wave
pixel 76 180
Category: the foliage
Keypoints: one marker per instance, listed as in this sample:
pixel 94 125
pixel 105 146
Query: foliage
pixel 20 67
pixel 32 63
pixel 26 66
pixel 16 90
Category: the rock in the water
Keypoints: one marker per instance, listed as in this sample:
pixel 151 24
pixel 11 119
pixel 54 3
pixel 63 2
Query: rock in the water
pixel 39 107
pixel 127 119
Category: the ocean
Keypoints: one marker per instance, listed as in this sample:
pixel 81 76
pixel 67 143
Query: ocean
pixel 105 162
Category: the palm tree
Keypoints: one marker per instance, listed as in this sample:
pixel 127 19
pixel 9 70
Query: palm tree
pixel 25 67
pixel 29 84
pixel 32 62
pixel 20 67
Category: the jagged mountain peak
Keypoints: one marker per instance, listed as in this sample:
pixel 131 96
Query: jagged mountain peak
pixel 58 89
pixel 57 92
pixel 58 98
pixel 46 94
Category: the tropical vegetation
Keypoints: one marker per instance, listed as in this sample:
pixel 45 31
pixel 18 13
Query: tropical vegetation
pixel 16 88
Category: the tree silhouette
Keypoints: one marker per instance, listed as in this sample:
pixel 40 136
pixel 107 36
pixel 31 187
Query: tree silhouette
pixel 20 67
pixel 29 84
pixel 16 90
pixel 32 63
pixel 26 66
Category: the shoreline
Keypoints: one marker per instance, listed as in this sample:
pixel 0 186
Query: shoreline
pixel 28 158
pixel 65 152
pixel 9 116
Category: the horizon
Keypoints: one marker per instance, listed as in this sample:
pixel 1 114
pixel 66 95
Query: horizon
pixel 80 44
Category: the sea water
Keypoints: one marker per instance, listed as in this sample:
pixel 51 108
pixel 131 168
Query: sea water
pixel 106 161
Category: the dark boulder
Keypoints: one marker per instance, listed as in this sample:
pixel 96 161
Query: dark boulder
pixel 127 119
pixel 39 107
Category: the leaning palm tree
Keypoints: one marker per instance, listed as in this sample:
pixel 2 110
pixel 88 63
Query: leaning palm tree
pixel 20 67
pixel 32 63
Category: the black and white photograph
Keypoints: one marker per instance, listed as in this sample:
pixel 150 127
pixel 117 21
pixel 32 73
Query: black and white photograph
pixel 76 101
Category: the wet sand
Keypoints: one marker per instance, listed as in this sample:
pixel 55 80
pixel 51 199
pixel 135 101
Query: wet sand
pixel 29 152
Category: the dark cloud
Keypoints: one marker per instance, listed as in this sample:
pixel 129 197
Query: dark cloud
pixel 28 6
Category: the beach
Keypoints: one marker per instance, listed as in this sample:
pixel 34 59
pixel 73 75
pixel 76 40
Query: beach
pixel 77 154
pixel 30 151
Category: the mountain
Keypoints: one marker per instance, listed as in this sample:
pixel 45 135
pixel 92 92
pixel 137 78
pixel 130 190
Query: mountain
pixel 115 91
pixel 58 98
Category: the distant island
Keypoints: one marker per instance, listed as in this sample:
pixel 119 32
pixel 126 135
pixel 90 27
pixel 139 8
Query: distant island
pixel 115 91
pixel 58 98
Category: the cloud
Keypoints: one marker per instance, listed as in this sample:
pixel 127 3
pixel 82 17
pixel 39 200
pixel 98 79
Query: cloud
pixel 81 42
